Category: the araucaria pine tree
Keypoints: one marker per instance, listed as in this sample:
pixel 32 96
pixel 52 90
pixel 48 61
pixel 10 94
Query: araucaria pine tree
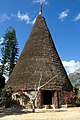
pixel 9 50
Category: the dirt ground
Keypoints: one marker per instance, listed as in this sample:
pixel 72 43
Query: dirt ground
pixel 24 114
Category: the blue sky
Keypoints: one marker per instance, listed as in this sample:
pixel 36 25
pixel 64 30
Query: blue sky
pixel 63 20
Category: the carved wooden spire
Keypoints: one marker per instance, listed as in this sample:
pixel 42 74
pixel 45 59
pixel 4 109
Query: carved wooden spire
pixel 40 11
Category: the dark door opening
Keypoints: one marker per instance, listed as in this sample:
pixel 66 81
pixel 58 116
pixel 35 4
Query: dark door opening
pixel 47 97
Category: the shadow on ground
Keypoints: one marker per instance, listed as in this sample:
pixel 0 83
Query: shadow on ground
pixel 12 111
pixel 19 111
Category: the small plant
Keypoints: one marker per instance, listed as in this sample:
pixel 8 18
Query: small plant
pixel 72 98
pixel 11 103
pixel 8 101
pixel 68 97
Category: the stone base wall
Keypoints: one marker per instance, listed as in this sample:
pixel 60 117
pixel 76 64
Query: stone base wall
pixel 26 99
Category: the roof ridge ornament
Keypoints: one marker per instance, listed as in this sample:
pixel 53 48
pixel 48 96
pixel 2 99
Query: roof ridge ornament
pixel 40 11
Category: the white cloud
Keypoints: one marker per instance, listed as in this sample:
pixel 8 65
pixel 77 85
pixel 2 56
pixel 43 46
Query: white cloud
pixel 4 17
pixel 25 17
pixel 1 40
pixel 63 14
pixel 41 1
pixel 71 66
pixel 19 15
pixel 77 18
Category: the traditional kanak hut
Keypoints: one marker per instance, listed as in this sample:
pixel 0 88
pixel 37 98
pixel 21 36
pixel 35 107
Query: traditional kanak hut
pixel 39 66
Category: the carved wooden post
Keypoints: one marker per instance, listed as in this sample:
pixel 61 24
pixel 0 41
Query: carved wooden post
pixel 59 98
pixel 39 100
pixel 56 100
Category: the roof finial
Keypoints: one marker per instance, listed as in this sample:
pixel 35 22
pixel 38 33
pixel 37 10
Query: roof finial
pixel 40 11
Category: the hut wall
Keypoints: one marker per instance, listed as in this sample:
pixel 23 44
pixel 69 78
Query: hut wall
pixel 26 99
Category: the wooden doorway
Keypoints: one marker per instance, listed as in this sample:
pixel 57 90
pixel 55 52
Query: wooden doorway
pixel 47 97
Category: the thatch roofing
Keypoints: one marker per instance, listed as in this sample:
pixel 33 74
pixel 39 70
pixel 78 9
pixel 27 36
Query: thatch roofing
pixel 39 56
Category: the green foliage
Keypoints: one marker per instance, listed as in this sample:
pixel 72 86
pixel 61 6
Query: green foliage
pixel 7 100
pixel 76 90
pixel 2 82
pixel 79 92
pixel 75 101
pixel 10 103
pixel 2 92
pixel 9 49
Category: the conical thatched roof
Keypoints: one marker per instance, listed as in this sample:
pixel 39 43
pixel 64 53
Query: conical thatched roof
pixel 39 57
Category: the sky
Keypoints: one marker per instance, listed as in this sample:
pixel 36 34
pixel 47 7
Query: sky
pixel 62 18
